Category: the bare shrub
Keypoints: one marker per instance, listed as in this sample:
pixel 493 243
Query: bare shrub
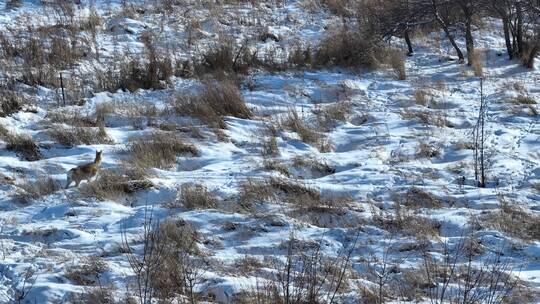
pixel 87 271
pixel 225 99
pixel 158 150
pixel 409 224
pixel 168 248
pixel 333 210
pixel 99 295
pixel 30 190
pixel 115 184
pixel 195 196
pixel 180 259
pixel 304 276
pixel 220 59
pixel 79 135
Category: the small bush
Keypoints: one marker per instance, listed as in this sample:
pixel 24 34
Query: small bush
pixel 300 56
pixel 427 118
pixel 225 99
pixel 196 196
pixel 79 135
pixel 158 150
pixel 409 224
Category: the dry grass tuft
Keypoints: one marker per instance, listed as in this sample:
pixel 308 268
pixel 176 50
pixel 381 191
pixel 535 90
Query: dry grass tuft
pixel 195 196
pixel 217 100
pixel 513 220
pixel 524 99
pixel 428 118
pixel 329 116
pixel 23 145
pixel 418 198
pixel 42 186
pixel 79 135
pixel 115 184
pixel 158 150
pixel 277 190
pixel 318 166
pixel 71 118
pixel 10 103
pixel 397 62
pixel 421 97
pixel 87 271
pixel 347 47
pixel 428 150
pixel 275 165
pixel 293 122
pixel 478 63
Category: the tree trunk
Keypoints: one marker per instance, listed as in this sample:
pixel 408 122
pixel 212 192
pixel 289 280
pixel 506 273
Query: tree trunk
pixel 451 38
pixel 529 60
pixel 509 47
pixel 469 40
pixel 444 26
pixel 519 30
pixel 409 43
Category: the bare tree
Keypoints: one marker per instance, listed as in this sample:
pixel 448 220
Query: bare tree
pixel 145 264
pixel 479 140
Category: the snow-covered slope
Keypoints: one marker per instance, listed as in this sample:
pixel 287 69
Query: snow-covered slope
pixel 392 145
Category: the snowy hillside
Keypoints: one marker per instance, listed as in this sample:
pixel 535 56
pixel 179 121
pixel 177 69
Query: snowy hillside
pixel 268 178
